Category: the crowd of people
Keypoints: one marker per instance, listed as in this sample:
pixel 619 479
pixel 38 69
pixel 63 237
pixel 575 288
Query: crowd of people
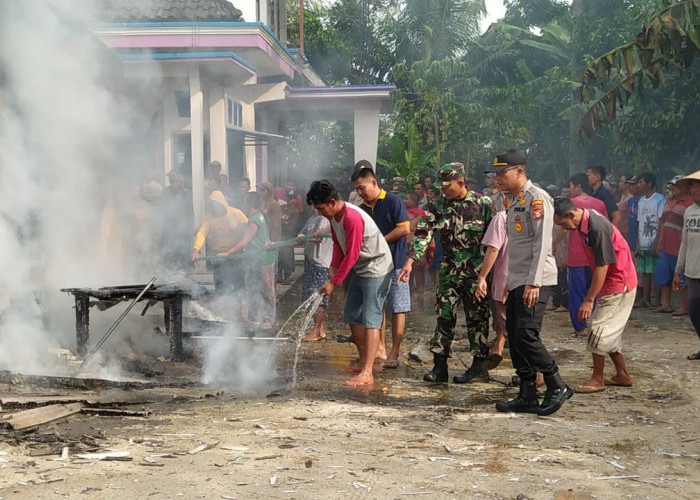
pixel 596 249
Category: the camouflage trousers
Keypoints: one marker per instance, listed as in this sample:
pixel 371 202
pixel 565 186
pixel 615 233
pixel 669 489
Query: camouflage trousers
pixel 455 286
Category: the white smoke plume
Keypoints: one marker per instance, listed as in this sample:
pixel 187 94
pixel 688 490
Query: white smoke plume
pixel 66 125
pixel 249 365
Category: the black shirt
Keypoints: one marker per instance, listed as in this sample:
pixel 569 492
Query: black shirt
pixel 599 238
pixel 604 195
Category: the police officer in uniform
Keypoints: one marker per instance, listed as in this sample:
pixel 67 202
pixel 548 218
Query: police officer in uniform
pixel 462 217
pixel 532 274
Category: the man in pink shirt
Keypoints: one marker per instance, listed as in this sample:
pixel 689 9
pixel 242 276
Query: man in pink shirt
pixel 614 284
pixel 580 275
pixel 362 255
pixel 495 242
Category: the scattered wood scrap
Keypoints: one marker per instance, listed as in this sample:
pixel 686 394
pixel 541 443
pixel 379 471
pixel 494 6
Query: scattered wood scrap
pixel 35 417
pixel 121 456
pixel 116 412
pixel 92 400
pixel 7 377
pixel 202 447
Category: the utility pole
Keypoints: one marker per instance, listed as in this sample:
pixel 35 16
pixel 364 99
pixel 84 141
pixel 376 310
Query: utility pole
pixel 301 27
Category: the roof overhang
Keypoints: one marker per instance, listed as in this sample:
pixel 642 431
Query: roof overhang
pixel 227 66
pixel 333 103
pixel 252 42
pixel 256 138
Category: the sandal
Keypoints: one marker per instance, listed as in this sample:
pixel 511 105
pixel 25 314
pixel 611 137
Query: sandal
pixel 694 356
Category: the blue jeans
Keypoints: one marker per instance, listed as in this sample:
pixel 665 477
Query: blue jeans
pixel 579 282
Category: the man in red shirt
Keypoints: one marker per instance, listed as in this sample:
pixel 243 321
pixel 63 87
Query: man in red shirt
pixel 580 275
pixel 667 244
pixel 614 284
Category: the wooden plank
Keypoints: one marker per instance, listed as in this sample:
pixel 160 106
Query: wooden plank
pixel 47 381
pixel 17 402
pixel 38 416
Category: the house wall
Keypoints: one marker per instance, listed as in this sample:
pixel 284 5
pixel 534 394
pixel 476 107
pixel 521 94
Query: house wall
pixel 271 12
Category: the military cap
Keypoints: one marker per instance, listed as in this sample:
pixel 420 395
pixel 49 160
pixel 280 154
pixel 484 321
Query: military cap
pixel 450 172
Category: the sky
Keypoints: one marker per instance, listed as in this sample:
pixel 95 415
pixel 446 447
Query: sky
pixel 495 10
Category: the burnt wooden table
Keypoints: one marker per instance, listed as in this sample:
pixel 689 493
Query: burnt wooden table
pixel 170 294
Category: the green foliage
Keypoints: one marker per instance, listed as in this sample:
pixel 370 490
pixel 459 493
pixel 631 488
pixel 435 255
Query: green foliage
pixel 407 158
pixel 426 99
pixel 463 97
pixel 669 40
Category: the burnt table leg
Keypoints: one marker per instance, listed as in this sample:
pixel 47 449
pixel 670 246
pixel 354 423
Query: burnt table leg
pixel 173 326
pixel 82 322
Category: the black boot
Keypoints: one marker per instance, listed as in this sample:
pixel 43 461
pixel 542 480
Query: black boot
pixel 557 394
pixel 439 371
pixel 525 402
pixel 475 371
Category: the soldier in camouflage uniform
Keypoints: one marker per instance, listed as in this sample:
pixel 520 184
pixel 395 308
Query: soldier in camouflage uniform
pixel 462 217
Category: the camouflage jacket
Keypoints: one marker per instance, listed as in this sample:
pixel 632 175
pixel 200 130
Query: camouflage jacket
pixel 462 224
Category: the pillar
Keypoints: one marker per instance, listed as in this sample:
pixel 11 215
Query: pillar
pixel 197 138
pixel 217 128
pixel 366 134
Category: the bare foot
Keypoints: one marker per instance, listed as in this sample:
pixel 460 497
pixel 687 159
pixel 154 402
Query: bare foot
pixel 352 369
pixel 360 381
pixel 313 337
pixel 619 381
pixel 593 384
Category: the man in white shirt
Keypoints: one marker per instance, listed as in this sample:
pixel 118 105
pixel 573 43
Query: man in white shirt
pixel 651 206
pixel 688 266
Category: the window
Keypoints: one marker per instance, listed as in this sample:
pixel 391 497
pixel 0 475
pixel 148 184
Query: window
pixel 234 113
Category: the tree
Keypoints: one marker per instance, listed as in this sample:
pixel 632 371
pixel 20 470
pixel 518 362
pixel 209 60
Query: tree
pixel 432 30
pixel 668 40
pixel 425 99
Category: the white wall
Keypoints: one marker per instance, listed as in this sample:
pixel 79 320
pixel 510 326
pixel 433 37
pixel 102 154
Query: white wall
pixel 248 8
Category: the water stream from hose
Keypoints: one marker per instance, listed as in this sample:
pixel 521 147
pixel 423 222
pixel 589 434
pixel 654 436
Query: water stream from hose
pixel 297 324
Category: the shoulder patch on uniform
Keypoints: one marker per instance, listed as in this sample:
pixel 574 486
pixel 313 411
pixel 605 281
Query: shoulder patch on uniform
pixel 537 212
pixel 533 203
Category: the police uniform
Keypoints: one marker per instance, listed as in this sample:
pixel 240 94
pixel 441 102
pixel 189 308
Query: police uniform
pixel 530 262
pixel 462 224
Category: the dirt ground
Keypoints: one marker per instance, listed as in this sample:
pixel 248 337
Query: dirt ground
pixel 401 439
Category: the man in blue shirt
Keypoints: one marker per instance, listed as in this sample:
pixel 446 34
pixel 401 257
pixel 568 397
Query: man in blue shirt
pixel 632 211
pixel 389 213
pixel 596 176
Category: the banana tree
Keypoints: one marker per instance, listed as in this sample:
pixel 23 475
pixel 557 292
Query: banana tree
pixel 668 40
pixel 407 158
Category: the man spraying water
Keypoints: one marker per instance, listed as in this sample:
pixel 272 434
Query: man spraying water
pixel 362 256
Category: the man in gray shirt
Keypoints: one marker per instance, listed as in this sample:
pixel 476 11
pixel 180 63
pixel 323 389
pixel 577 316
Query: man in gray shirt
pixel 532 274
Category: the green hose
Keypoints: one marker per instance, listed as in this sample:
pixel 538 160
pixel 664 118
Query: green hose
pixel 271 246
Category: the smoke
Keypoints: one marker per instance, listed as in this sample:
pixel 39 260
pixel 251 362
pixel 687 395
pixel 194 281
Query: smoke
pixel 246 364
pixel 68 164
pixel 80 144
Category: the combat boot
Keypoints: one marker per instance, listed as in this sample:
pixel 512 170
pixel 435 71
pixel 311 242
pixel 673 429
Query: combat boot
pixel 439 371
pixel 476 371
pixel 525 402
pixel 556 395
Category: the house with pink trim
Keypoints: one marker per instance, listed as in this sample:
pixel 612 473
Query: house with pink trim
pixel 226 86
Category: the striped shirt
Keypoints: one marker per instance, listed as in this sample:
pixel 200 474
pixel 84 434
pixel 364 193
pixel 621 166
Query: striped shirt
pixel 671 223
